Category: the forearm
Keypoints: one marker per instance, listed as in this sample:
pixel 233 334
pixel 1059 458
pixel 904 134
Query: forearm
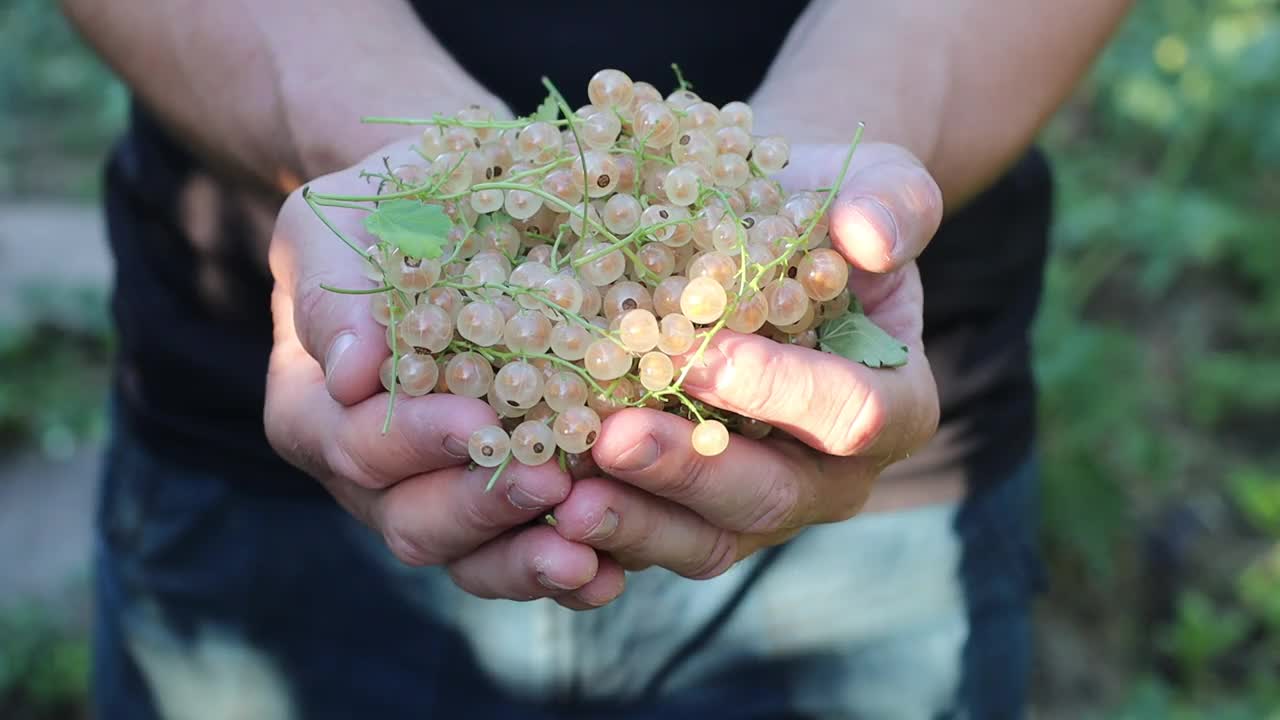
pixel 965 85
pixel 273 91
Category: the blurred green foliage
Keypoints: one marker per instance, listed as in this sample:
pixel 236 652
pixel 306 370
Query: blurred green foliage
pixel 44 665
pixel 59 107
pixel 54 361
pixel 1157 350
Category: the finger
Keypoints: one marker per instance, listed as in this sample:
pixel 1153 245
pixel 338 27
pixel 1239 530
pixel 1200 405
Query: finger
pixel 888 208
pixel 754 488
pixel 641 529
pixel 525 564
pixel 886 214
pixel 331 442
pixel 604 588
pixel 442 516
pixel 337 330
pixel 832 404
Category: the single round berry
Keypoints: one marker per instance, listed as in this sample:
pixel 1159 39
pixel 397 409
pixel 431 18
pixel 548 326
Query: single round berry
pixel 489 446
pixel 710 438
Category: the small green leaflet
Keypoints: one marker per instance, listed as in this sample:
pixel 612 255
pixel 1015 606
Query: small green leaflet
pixel 417 230
pixel 853 336
pixel 548 111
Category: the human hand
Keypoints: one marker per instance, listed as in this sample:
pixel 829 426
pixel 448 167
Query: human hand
pixel 324 413
pixel 659 502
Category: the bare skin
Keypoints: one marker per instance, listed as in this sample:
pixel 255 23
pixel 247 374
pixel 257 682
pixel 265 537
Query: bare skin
pixel 260 97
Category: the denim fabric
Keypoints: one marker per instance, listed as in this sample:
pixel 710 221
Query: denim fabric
pixel 217 603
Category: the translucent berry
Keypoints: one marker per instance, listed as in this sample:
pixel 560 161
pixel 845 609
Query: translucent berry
pixel 576 429
pixel 481 323
pixel 676 334
pixel 606 360
pixel 469 375
pixel 666 296
pixel 426 326
pixel 527 332
pixel 518 384
pixel 710 437
pixel 489 446
pixel 639 330
pixel 703 300
pixel 564 389
pixel 823 273
pixel 656 371
pixel 570 340
pixel 532 442
pixel 787 301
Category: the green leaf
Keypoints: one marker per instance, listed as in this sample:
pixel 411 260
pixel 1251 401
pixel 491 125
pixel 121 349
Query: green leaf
pixel 548 111
pixel 417 230
pixel 853 336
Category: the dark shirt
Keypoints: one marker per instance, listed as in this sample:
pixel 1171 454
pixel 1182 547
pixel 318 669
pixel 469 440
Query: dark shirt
pixel 191 296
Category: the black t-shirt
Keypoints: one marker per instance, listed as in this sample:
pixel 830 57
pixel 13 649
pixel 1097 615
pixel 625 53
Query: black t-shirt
pixel 192 289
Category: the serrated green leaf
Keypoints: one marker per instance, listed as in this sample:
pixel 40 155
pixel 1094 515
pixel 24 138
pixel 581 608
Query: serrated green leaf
pixel 548 111
pixel 854 337
pixel 417 230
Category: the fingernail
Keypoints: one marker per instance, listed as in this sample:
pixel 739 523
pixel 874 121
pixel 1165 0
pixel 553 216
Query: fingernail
pixel 455 447
pixel 640 456
pixel 881 223
pixel 522 498
pixel 550 584
pixel 603 529
pixel 333 356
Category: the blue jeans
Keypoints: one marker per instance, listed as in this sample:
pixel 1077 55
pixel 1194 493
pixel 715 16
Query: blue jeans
pixel 216 603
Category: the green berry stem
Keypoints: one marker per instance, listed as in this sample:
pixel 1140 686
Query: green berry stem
pixel 684 84
pixel 428 189
pixel 442 121
pixel 352 291
pixel 835 187
pixel 395 371
pixel 702 349
pixel 573 128
pixel 742 238
pixel 622 243
pixel 340 204
pixel 493 479
pixel 311 202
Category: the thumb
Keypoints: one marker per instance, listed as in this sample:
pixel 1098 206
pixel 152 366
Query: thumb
pixel 887 211
pixel 337 330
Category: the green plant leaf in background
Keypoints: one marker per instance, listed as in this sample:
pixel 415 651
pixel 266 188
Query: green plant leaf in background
pixel 854 337
pixel 415 229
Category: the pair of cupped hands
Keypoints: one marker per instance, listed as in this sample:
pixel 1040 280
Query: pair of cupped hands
pixel 654 501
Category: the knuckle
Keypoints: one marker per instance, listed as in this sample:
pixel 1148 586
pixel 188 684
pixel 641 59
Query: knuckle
pixel 850 506
pixel 771 386
pixel 860 420
pixel 776 506
pixel 310 302
pixel 407 546
pixel 924 192
pixel 719 557
pixel 464 583
pixel 688 479
pixel 351 465
pixel 478 513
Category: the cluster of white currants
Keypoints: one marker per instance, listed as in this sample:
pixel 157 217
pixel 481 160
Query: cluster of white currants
pixel 589 257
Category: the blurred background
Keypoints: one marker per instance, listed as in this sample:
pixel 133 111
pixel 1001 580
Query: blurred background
pixel 1157 350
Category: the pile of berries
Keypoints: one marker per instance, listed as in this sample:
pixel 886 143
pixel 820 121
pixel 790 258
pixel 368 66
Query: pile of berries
pixel 570 264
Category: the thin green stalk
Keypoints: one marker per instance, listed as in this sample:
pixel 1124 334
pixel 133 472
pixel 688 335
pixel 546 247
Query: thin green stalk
pixel 350 291
pixel 493 479
pixel 341 236
pixel 395 370
pixel 442 121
